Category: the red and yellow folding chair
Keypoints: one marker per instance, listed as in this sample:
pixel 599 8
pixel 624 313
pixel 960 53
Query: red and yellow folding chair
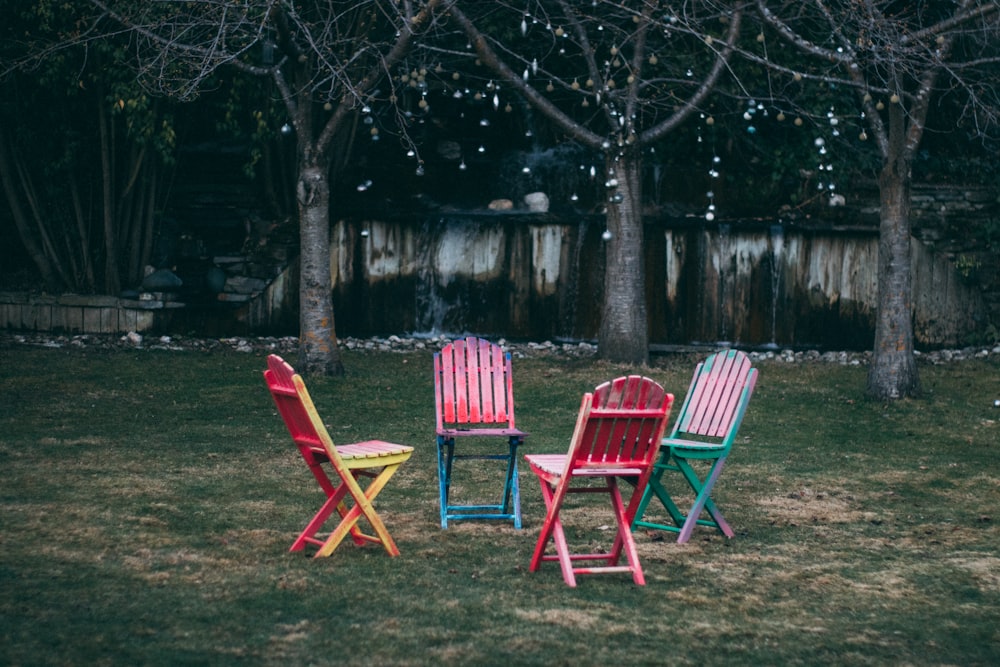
pixel 374 459
pixel 617 435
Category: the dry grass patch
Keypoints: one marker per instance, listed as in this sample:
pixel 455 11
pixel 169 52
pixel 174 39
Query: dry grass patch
pixel 807 505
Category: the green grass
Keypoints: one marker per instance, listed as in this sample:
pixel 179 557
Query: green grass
pixel 149 499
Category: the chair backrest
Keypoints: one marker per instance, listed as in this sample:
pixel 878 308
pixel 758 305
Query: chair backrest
pixel 299 413
pixel 473 384
pixel 717 398
pixel 620 425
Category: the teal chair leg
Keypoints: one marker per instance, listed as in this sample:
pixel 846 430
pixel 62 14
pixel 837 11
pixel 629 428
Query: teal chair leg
pixel 683 524
pixel 445 454
pixel 509 507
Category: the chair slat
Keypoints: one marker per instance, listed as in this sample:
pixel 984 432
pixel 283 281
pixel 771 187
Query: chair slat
pixel 497 384
pixel 472 394
pixel 461 396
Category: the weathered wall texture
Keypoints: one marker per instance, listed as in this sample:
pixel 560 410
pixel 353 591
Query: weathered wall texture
pixel 537 277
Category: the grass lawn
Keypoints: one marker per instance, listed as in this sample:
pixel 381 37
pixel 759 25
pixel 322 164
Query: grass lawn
pixel 149 499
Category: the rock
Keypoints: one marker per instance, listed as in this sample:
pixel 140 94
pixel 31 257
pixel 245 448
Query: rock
pixel 537 202
pixel 404 344
pixel 133 339
pixel 501 205
pixel 161 280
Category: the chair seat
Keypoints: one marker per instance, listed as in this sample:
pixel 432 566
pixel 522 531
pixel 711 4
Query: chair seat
pixel 693 445
pixel 555 464
pixel 364 452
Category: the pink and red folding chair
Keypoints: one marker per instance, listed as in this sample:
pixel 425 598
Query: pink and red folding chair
pixel 617 436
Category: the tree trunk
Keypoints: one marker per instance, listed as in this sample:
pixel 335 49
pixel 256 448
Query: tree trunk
pixel 318 351
pixel 112 279
pixel 83 237
pixel 624 336
pixel 893 373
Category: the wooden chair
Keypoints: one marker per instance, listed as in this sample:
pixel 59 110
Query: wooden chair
pixel 373 459
pixel 705 430
pixel 617 435
pixel 474 397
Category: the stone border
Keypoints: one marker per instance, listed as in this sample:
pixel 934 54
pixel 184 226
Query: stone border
pixel 401 344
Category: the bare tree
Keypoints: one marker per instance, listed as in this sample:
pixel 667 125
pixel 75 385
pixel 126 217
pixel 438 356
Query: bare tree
pixel 898 58
pixel 327 61
pixel 615 77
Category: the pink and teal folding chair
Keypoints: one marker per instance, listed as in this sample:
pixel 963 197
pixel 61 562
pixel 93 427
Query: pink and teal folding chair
pixel 705 431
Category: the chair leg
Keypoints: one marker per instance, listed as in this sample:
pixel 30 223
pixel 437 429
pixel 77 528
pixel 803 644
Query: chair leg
pixel 509 506
pixel 333 501
pixel 445 453
pixel 623 539
pixel 363 507
pixel 655 488
pixel 684 523
pixel 552 528
pixel 703 500
pixel 511 489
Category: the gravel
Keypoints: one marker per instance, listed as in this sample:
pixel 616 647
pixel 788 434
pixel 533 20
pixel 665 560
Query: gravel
pixel 403 344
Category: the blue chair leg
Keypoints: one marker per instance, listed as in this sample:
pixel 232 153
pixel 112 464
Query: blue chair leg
pixel 512 492
pixel 509 507
pixel 445 453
